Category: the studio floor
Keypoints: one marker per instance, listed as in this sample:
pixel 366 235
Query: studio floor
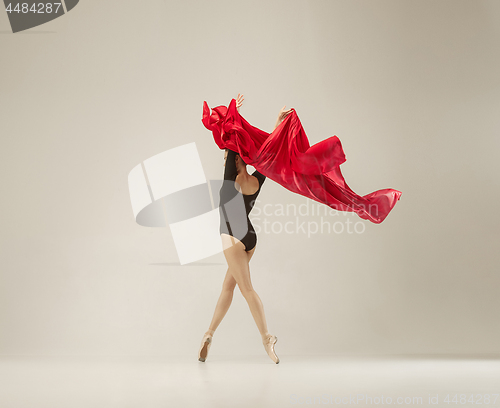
pixel 249 381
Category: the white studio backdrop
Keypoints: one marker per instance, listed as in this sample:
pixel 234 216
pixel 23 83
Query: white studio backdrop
pixel 410 88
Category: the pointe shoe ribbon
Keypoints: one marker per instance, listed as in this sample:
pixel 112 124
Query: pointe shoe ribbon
pixel 269 343
pixel 206 342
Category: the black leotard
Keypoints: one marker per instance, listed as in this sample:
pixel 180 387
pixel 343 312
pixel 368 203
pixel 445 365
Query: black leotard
pixel 234 218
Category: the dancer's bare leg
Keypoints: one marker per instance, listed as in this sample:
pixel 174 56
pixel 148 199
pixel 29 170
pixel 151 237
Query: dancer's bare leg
pixel 238 262
pixel 225 297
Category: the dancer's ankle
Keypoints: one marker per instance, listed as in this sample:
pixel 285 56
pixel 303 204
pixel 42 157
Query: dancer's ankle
pixel 211 332
pixel 265 336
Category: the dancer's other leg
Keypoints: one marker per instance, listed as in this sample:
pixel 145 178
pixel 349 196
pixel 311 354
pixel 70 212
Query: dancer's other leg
pixel 238 261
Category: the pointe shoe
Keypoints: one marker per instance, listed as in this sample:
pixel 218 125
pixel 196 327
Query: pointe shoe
pixel 269 343
pixel 206 342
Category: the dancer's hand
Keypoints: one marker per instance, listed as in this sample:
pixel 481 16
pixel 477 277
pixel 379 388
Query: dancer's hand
pixel 239 102
pixel 282 115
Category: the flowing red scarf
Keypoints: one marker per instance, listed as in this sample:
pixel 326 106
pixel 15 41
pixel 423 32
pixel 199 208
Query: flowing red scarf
pixel 286 157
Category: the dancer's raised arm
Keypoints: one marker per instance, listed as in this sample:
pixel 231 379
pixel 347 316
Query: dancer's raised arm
pixel 281 116
pixel 239 101
pixel 230 171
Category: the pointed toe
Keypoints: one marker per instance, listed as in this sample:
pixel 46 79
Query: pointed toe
pixel 206 342
pixel 269 344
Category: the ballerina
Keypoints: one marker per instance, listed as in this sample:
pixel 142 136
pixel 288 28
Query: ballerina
pixel 239 251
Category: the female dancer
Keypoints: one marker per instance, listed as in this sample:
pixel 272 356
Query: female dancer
pixel 238 252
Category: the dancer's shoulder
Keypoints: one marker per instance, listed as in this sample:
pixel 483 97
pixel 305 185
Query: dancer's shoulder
pixel 259 176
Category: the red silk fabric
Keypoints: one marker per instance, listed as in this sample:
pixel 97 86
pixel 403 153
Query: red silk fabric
pixel 286 157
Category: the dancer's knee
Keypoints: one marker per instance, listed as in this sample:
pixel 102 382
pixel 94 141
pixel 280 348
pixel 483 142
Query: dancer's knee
pixel 228 287
pixel 246 290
